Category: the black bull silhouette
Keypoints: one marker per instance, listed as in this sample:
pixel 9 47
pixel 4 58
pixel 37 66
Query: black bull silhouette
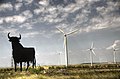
pixel 20 53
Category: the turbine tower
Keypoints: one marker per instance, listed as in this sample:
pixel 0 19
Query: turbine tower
pixel 114 55
pixel 91 53
pixel 65 43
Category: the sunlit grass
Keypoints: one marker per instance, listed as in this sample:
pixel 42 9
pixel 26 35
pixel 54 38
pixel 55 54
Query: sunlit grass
pixel 83 71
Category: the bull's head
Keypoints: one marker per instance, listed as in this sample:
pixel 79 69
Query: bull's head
pixel 14 39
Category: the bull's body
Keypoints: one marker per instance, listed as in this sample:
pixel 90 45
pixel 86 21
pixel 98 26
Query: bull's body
pixel 21 54
pixel 24 54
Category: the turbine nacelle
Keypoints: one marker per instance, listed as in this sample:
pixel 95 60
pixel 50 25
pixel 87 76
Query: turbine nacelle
pixel 114 49
pixel 65 35
pixel 90 49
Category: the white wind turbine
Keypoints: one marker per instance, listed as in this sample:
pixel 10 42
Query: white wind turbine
pixel 60 61
pixel 91 53
pixel 65 43
pixel 114 54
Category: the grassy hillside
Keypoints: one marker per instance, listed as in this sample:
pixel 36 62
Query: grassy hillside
pixel 83 71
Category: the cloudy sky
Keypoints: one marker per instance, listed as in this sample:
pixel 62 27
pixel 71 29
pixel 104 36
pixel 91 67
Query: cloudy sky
pixel 97 21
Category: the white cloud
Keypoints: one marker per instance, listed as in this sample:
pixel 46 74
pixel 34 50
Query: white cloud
pixel 18 6
pixel 106 22
pixel 115 22
pixel 50 18
pixel 111 7
pixel 88 29
pixel 93 0
pixel 6 6
pixel 19 0
pixel 60 15
pixel 44 2
pixel 7 30
pixel 27 14
pixel 101 24
pixel 30 34
pixel 62 25
pixel 81 3
pixel 1 20
pixel 103 21
pixel 29 1
pixel 70 8
pixel 15 18
pixel 53 14
pixel 26 2
pixel 39 10
pixel 80 18
pixel 52 9
pixel 26 25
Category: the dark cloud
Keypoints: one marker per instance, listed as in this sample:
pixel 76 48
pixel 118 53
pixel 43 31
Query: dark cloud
pixel 6 1
pixel 61 2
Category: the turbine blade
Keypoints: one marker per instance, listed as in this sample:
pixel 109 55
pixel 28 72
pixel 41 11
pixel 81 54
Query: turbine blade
pixel 93 52
pixel 116 49
pixel 61 30
pixel 72 32
pixel 87 49
pixel 113 47
pixel 92 45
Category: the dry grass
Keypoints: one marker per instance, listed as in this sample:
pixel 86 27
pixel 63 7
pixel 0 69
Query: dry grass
pixel 98 71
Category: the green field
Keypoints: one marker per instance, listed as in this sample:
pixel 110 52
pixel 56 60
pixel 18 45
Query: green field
pixel 83 71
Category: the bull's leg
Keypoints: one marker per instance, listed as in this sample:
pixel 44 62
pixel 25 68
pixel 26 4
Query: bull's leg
pixel 20 66
pixel 34 63
pixel 27 65
pixel 15 65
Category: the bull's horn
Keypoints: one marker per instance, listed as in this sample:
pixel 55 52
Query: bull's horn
pixel 20 36
pixel 9 35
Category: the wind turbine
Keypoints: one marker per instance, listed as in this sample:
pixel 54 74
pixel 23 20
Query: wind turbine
pixel 91 53
pixel 60 57
pixel 65 43
pixel 114 54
